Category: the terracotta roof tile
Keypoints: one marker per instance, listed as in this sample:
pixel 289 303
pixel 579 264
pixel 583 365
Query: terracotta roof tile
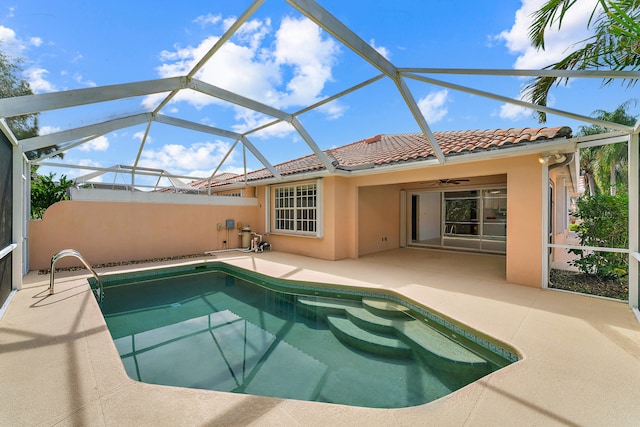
pixel 382 150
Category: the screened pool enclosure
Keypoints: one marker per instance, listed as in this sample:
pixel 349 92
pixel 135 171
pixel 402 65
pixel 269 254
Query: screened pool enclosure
pixel 472 219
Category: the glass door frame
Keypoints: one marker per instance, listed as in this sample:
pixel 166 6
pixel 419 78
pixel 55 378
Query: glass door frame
pixel 408 221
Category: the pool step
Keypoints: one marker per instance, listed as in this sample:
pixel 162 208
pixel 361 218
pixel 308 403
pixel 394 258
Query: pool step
pixel 378 327
pixel 362 339
pixel 385 308
pixel 368 320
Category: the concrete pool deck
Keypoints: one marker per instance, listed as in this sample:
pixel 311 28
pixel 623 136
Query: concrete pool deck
pixel 580 355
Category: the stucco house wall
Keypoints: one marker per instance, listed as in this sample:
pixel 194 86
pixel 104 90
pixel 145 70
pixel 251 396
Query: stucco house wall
pixel 361 211
pixel 361 216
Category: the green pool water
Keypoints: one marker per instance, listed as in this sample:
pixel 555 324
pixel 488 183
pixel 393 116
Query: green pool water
pixel 211 330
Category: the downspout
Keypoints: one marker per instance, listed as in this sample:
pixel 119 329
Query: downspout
pixel 565 162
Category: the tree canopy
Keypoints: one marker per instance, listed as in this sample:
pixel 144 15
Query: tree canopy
pixel 44 190
pixel 11 84
pixel 605 168
pixel 615 44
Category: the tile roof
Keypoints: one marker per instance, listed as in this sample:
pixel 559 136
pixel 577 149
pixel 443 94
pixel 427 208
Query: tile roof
pixel 202 183
pixel 383 150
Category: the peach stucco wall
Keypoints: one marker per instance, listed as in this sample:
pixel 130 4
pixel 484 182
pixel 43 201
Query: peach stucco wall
pixel 379 218
pixel 114 231
pixel 524 232
pixel 361 216
pixel 339 212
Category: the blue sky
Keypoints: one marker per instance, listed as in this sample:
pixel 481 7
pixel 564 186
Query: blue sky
pixel 285 61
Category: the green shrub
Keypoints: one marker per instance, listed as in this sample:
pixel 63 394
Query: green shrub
pixel 574 227
pixel 45 192
pixel 604 222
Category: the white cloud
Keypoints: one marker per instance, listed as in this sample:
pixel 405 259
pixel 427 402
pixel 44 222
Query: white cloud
pixel 278 130
pixel 78 78
pixel 89 162
pixel 380 49
pixel 140 135
pixel 180 159
pixel 100 143
pixel 46 130
pixel 558 43
pixel 37 80
pixel 288 68
pixel 238 170
pixel 75 173
pixel 208 19
pixel 334 109
pixel 301 45
pixel 11 44
pixel 433 106
pixel 514 112
pixel 15 47
pixel 253 32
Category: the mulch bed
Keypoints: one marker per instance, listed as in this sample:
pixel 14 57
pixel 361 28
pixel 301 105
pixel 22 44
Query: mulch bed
pixel 589 284
pixel 120 263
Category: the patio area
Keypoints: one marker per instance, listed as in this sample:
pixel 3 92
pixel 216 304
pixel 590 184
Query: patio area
pixel 580 355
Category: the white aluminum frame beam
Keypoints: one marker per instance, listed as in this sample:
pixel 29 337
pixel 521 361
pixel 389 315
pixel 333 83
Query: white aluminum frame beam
pixel 198 127
pixel 234 98
pixel 634 218
pixel 246 143
pixel 224 159
pixel 219 43
pixel 312 144
pixel 19 213
pixel 337 29
pixel 30 104
pixel 320 103
pixel 333 26
pixel 524 104
pixel 122 169
pixel 65 148
pixel 419 117
pixel 564 74
pixel 220 132
pixel 264 109
pixel 48 140
pixel 249 11
pixel 601 139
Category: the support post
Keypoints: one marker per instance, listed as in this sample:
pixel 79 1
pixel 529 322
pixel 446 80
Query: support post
pixel 634 211
pixel 19 216
pixel 545 226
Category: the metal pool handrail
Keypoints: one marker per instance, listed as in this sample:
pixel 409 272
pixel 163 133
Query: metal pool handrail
pixel 99 293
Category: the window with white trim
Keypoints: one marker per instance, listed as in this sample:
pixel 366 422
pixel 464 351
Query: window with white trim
pixel 295 208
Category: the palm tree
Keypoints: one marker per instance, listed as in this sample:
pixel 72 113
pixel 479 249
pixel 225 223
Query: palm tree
pixel 615 44
pixel 607 165
pixel 588 161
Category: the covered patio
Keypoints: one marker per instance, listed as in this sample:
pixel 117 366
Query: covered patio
pixel 579 354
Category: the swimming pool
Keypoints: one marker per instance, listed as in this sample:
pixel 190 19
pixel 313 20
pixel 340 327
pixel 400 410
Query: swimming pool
pixel 221 328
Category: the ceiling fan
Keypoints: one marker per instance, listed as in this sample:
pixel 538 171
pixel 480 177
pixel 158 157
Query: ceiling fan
pixel 452 181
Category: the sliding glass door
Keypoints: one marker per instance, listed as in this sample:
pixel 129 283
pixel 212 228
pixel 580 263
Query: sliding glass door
pixel 470 219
